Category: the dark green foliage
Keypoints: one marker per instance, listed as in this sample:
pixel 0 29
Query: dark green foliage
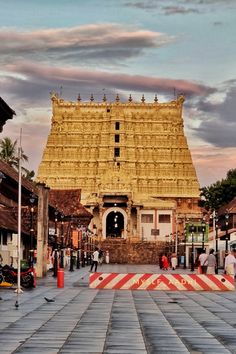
pixel 220 192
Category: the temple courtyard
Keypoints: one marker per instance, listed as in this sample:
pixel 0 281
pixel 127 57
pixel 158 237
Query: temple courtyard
pixel 84 320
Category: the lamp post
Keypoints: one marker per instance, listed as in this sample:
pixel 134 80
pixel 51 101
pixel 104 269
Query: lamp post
pixel 192 255
pixel 31 251
pixel 203 233
pixel 78 251
pixel 62 242
pixel 226 231
pixel 216 229
pixel 55 261
pixel 71 251
pixel 185 235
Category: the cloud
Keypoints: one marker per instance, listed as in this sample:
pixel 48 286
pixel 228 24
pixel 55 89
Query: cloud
pixel 174 10
pixel 42 76
pixel 184 6
pixel 214 164
pixel 218 119
pixel 106 41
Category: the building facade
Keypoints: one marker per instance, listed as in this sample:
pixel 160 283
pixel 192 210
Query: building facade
pixel 131 161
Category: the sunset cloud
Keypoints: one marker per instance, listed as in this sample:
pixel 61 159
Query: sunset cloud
pixel 42 74
pixel 104 41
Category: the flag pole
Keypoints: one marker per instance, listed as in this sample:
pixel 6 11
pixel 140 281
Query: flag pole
pixel 19 290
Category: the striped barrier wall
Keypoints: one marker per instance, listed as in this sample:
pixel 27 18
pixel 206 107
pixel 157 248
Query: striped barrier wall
pixel 179 282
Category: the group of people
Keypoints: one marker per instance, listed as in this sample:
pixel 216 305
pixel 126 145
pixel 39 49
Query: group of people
pixel 206 264
pixel 165 264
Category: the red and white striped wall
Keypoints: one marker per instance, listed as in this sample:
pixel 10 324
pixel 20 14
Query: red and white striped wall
pixel 134 281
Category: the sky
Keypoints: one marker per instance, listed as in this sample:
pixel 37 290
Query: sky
pixel 163 47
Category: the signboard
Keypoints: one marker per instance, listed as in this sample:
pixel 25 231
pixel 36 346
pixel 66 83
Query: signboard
pixel 75 238
pixel 195 231
pixel 155 232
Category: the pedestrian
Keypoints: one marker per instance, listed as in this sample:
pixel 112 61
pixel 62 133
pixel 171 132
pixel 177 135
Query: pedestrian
pixel 211 267
pixel 160 261
pixel 165 263
pixel 173 261
pixel 230 263
pixel 203 258
pixel 100 257
pixel 197 263
pixel 95 258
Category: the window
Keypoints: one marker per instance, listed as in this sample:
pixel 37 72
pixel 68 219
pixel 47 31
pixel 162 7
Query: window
pixel 108 110
pixel 117 125
pixel 117 138
pixel 147 218
pixel 164 218
pixel 117 152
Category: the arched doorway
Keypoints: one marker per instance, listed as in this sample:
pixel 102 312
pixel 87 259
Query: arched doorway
pixel 114 224
pixel 108 222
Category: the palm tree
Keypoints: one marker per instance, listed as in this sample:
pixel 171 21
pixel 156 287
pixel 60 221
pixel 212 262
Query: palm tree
pixel 8 152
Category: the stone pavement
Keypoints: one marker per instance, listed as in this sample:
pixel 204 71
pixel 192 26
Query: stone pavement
pixel 83 320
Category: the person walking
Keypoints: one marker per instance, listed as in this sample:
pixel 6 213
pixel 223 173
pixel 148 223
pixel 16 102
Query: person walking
pixel 165 263
pixel 211 267
pixel 95 258
pixel 230 263
pixel 203 258
pixel 173 261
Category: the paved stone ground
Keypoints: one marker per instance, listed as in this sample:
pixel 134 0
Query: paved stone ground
pixel 83 320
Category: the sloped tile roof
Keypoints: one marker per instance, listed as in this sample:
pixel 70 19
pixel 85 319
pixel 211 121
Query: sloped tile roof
pixel 68 202
pixel 9 220
pixel 230 208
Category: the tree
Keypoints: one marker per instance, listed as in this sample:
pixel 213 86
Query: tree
pixel 220 193
pixel 9 154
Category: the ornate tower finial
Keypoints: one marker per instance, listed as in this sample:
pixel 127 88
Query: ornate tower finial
pixel 143 99
pixel 91 98
pixel 104 98
pixel 130 98
pixel 156 99
pixel 117 98
pixel 79 98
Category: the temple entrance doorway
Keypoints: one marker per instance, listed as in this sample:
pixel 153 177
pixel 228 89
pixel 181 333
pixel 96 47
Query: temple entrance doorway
pixel 114 223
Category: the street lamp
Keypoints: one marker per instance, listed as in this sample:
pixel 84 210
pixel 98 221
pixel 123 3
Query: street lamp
pixel 31 251
pixel 216 229
pixel 55 261
pixel 203 233
pixel 185 235
pixel 226 231
pixel 62 242
pixel 192 255
pixel 71 250
pixel 78 251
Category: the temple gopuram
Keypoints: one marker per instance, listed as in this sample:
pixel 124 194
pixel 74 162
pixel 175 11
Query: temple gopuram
pixel 131 161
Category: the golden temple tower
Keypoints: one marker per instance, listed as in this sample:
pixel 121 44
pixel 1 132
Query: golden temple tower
pixel 131 161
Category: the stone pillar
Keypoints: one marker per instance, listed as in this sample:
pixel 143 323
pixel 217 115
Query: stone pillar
pixel 100 231
pixel 138 223
pixel 42 230
pixel 128 211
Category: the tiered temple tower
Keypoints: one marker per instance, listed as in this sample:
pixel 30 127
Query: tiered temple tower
pixel 131 161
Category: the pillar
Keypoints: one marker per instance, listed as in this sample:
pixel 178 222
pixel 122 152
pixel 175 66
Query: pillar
pixel 42 230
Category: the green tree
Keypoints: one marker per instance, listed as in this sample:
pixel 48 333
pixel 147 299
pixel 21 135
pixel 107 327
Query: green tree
pixel 220 192
pixel 9 154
